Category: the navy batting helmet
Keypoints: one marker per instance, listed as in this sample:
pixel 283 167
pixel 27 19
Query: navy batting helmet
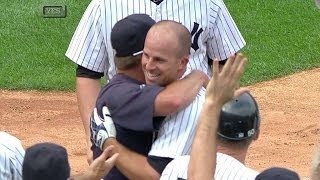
pixel 239 118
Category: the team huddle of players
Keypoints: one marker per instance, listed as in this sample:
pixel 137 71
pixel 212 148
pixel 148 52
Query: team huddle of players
pixel 172 107
pixel 158 57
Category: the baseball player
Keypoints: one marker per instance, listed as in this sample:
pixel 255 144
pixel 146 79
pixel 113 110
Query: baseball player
pixel 11 157
pixel 214 35
pixel 238 127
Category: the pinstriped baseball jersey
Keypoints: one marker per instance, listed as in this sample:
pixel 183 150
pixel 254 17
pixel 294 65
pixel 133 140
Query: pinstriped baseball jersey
pixel 177 131
pixel 11 157
pixel 214 33
pixel 227 168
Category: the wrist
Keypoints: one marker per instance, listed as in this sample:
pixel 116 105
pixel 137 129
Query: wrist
pixel 210 114
pixel 213 105
pixel 108 142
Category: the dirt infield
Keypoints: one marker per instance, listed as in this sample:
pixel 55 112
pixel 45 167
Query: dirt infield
pixel 290 110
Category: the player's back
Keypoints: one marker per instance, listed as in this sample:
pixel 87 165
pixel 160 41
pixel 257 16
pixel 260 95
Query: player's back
pixel 227 168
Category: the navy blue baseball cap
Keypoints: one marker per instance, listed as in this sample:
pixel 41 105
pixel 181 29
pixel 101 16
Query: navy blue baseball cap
pixel 277 173
pixel 46 161
pixel 128 34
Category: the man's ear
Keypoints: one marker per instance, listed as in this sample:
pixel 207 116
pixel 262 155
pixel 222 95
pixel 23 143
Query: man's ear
pixel 183 65
pixel 184 61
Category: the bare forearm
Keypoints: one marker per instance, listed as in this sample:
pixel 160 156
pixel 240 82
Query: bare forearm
pixel 131 164
pixel 179 94
pixel 87 93
pixel 203 159
pixel 220 90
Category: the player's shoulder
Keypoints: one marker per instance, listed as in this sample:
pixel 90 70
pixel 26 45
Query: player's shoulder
pixel 215 3
pixel 209 3
pixel 10 145
pixel 239 170
pixel 214 7
pixel 5 137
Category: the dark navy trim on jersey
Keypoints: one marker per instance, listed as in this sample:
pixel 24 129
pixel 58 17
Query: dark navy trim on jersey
pixel 87 73
pixel 158 163
pixel 157 2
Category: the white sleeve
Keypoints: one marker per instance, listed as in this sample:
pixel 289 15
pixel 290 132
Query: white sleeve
pixel 87 47
pixel 11 157
pixel 225 38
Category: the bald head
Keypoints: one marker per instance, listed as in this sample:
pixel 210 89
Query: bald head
pixel 176 31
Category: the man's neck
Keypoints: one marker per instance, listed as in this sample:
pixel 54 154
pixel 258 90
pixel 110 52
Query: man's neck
pixel 134 73
pixel 238 154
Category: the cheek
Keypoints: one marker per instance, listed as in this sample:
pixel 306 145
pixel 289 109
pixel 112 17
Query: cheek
pixel 143 60
pixel 143 63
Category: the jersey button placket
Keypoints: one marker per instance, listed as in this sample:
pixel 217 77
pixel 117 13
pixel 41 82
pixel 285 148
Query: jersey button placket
pixel 158 13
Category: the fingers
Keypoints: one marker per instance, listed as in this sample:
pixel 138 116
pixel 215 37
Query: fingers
pixel 109 160
pixel 235 64
pixel 105 156
pixel 241 64
pixel 112 160
pixel 228 66
pixel 107 152
pixel 238 68
pixel 215 68
pixel 240 91
pixel 103 164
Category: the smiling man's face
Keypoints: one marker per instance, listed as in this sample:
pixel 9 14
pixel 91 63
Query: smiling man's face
pixel 160 61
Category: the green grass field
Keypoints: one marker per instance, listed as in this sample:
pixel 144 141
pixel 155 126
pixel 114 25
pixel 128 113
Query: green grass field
pixel 282 37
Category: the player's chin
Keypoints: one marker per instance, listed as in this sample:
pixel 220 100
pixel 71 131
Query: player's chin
pixel 153 80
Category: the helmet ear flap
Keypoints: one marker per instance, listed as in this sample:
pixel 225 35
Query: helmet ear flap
pixel 239 118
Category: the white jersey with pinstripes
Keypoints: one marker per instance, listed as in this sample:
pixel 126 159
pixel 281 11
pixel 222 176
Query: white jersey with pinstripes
pixel 177 131
pixel 227 168
pixel 11 157
pixel 214 32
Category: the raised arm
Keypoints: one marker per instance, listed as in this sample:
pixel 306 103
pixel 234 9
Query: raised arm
pixel 220 89
pixel 180 94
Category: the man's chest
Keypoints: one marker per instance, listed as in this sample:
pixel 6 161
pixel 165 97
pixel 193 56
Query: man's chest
pixel 191 13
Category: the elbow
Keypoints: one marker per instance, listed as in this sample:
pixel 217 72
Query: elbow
pixel 176 104
pixel 169 105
